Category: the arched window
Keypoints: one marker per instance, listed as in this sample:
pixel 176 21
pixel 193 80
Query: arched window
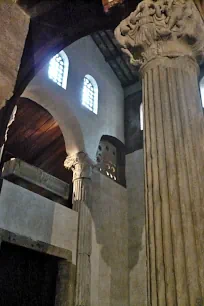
pixel 202 90
pixel 141 117
pixel 58 69
pixel 90 94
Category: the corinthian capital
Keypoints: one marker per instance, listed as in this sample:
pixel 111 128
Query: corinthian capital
pixel 80 164
pixel 162 28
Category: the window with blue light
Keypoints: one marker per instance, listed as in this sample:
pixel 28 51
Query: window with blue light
pixel 141 117
pixel 58 69
pixel 202 90
pixel 90 94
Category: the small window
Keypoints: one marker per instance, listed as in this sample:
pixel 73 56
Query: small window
pixel 90 94
pixel 202 90
pixel 107 160
pixel 58 69
pixel 141 117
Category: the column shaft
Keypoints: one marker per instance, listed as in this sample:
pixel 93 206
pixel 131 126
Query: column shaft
pixel 166 39
pixel 174 163
pixel 81 203
pixel 81 166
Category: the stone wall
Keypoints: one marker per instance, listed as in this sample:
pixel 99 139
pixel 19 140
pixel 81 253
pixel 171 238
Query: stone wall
pixel 28 214
pixel 136 229
pixel 133 133
pixel 14 25
pixel 118 260
pixel 109 259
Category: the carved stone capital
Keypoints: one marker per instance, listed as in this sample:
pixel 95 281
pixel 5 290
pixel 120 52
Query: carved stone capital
pixel 80 164
pixel 162 28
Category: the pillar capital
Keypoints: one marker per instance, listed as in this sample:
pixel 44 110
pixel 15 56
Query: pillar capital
pixel 81 165
pixel 162 28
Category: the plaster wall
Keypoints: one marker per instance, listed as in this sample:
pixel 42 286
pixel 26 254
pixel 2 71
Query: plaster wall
pixel 109 259
pixel 14 25
pixel 31 215
pixel 136 229
pixel 28 214
pixel 81 128
pixel 132 89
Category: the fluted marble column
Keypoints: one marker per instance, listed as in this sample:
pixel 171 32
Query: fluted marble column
pixel 81 166
pixel 166 39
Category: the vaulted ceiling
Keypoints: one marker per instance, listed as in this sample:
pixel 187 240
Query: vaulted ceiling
pixel 56 24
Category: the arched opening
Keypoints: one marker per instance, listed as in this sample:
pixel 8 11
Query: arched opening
pixel 36 138
pixel 110 158
pixel 141 117
pixel 90 94
pixel 58 69
pixel 61 112
pixel 202 91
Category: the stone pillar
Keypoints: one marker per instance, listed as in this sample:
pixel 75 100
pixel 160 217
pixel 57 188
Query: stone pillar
pixel 81 166
pixel 166 39
pixel 14 24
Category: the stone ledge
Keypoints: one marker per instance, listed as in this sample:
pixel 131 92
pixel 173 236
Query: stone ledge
pixel 20 169
pixel 39 246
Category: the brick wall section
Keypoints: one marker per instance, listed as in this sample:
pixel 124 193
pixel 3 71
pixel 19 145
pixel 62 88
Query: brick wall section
pixel 14 24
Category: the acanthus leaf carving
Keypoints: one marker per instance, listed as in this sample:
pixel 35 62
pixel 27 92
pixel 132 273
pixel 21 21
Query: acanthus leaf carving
pixel 80 164
pixel 161 28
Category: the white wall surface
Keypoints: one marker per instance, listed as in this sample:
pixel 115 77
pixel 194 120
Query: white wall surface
pixel 81 128
pixel 28 214
pixel 136 229
pixel 109 259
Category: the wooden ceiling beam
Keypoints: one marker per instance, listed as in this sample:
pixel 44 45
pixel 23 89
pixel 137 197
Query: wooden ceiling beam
pixel 120 53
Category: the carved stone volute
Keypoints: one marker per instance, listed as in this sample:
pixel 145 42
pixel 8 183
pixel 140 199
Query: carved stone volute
pixel 162 28
pixel 80 164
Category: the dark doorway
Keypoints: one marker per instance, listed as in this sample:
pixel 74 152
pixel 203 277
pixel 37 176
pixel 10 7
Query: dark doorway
pixel 27 278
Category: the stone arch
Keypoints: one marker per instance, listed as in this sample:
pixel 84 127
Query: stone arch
pixel 94 85
pixel 68 123
pixel 35 137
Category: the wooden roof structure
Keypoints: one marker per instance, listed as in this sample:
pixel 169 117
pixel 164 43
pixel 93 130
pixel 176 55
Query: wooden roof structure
pixel 35 137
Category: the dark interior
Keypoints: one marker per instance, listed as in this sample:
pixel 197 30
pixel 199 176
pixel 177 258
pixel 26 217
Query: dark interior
pixel 27 277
